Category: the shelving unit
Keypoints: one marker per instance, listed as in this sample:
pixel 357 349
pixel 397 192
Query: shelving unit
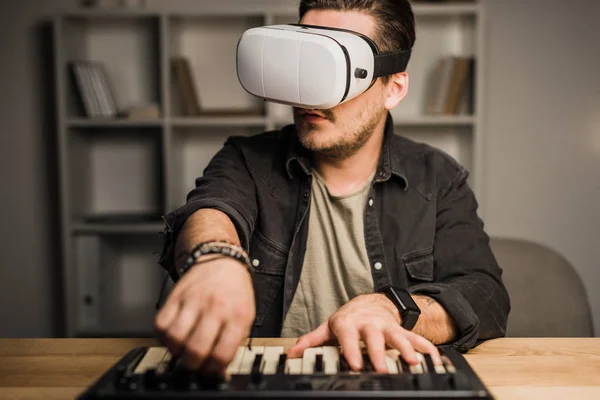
pixel 143 169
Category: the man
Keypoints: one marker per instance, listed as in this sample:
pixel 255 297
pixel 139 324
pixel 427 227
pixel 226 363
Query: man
pixel 331 211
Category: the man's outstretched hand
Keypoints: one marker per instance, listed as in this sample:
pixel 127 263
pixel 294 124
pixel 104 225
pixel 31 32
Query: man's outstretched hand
pixel 375 320
pixel 208 314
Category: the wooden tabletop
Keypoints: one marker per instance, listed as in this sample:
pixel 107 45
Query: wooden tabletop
pixel 510 368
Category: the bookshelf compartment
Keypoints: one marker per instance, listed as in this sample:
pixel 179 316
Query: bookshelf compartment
pixel 457 141
pixel 438 36
pixel 193 148
pixel 114 123
pixel 128 48
pixel 118 282
pixel 115 175
pixel 208 45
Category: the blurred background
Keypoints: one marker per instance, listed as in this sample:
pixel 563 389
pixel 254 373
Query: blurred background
pixel 110 109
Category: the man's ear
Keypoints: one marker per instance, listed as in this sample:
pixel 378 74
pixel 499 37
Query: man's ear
pixel 396 89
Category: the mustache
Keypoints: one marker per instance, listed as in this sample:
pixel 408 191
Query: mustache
pixel 327 114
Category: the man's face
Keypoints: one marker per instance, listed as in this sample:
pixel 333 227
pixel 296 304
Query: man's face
pixel 341 131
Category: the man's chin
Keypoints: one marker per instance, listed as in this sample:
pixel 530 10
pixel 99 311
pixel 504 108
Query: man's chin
pixel 307 131
pixel 314 141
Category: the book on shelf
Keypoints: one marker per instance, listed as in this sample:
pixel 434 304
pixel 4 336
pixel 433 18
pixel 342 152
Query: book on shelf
pixel 466 104
pixel 93 89
pixel 142 112
pixel 185 87
pixel 451 87
pixel 188 100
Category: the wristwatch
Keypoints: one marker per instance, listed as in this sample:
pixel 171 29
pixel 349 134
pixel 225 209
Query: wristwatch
pixel 405 304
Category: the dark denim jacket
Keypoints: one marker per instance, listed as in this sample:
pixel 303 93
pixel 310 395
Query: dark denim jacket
pixel 421 227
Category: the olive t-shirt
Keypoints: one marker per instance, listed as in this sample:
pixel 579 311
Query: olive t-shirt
pixel 336 267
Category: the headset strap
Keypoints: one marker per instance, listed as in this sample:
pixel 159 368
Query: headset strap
pixel 390 63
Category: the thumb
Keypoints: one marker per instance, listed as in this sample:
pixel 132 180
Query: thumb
pixel 312 339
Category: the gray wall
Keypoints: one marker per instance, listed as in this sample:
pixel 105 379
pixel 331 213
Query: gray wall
pixel 28 203
pixel 542 129
pixel 542 133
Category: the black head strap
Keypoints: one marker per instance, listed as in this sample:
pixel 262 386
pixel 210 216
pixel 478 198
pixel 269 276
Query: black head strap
pixel 390 63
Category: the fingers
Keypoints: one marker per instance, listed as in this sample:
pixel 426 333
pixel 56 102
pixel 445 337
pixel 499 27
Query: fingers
pixel 164 319
pixel 227 344
pixel 409 343
pixel 349 339
pixel 375 342
pixel 396 338
pixel 312 339
pixel 181 327
pixel 200 342
pixel 423 345
pixel 207 315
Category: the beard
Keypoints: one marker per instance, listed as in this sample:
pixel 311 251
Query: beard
pixel 337 141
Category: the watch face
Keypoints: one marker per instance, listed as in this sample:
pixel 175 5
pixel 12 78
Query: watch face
pixel 409 320
pixel 406 306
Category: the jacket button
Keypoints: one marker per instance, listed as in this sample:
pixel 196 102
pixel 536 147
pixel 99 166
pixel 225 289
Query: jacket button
pixel 370 202
pixel 378 266
pixel 306 194
pixel 255 262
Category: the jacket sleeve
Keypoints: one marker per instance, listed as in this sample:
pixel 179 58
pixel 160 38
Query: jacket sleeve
pixel 227 186
pixel 467 280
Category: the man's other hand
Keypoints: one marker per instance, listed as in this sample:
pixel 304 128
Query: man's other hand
pixel 208 314
pixel 375 320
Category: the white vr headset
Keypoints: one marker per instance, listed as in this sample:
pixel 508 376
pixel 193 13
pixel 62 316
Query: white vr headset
pixel 310 66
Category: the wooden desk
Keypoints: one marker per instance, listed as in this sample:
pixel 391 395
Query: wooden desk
pixel 511 368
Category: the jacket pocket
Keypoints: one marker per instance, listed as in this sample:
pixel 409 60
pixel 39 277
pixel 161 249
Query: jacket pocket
pixel 268 272
pixel 419 265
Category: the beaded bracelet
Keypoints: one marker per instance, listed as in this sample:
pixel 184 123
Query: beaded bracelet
pixel 215 247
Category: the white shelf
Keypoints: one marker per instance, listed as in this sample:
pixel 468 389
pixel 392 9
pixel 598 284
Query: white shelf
pixel 108 228
pixel 114 123
pixel 445 9
pixel 234 120
pixel 116 13
pixel 419 9
pixel 176 122
pixel 418 121
pixel 434 121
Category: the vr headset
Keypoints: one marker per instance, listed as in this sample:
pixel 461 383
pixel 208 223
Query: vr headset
pixel 312 67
